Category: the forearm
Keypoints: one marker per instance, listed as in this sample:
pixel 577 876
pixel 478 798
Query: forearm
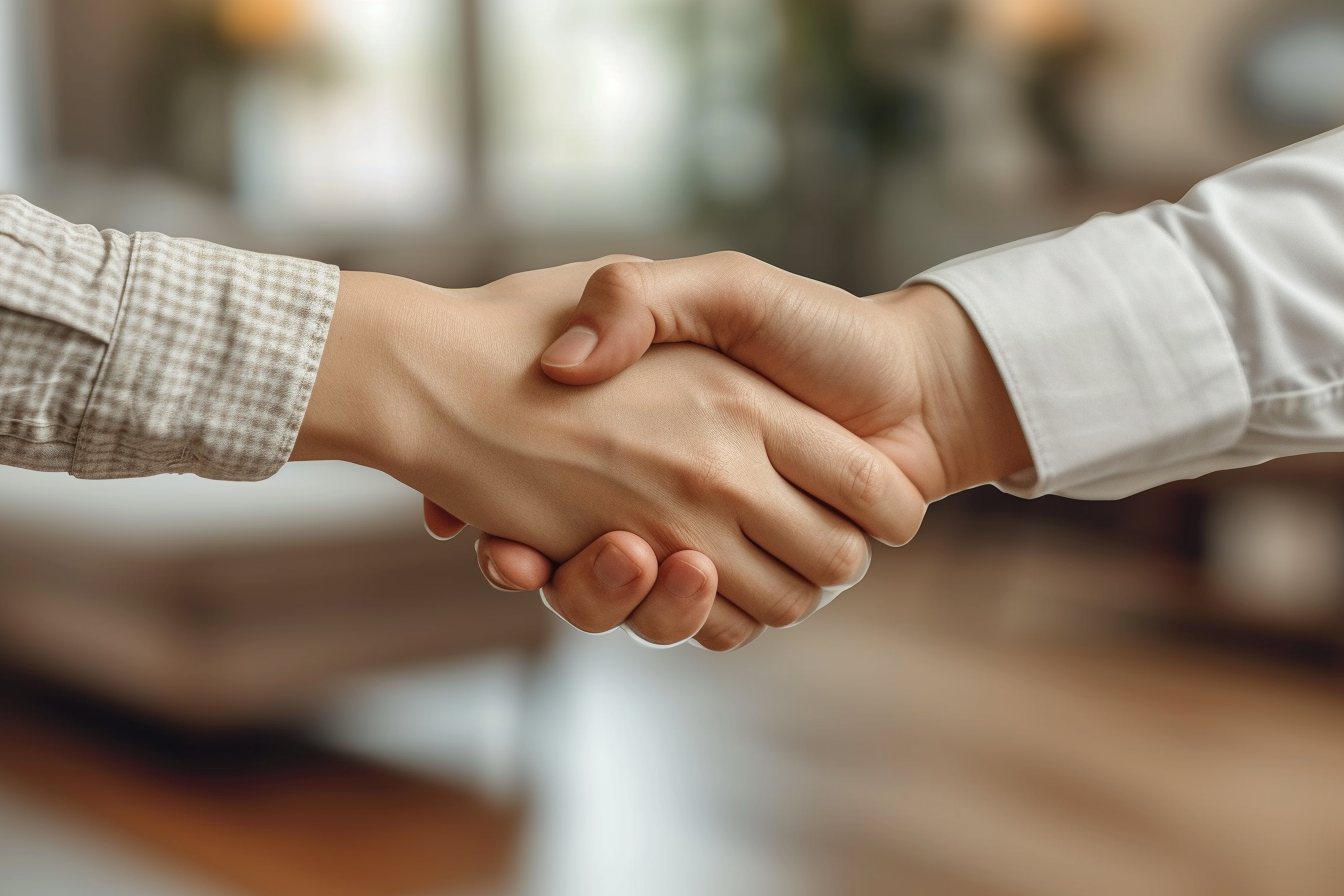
pixel 1176 339
pixel 130 355
pixel 352 413
pixel 1267 240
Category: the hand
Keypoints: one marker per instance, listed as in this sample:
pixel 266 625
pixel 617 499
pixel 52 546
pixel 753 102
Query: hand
pixel 905 370
pixel 685 451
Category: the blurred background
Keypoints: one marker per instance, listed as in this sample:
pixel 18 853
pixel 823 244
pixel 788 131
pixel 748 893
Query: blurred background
pixel 286 689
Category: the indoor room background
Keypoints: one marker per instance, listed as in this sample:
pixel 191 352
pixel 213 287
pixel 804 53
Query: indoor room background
pixel 288 689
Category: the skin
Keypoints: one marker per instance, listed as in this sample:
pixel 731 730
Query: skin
pixel 693 461
pixel 905 370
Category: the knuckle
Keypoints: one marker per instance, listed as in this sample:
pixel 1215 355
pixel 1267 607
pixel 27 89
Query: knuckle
pixel 733 258
pixel 743 265
pixel 737 398
pixel 867 484
pixel 724 635
pixel 759 290
pixel 846 558
pixel 790 606
pixel 618 257
pixel 617 280
pixel 710 476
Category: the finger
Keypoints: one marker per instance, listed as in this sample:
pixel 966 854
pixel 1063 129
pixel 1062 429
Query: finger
pixel 817 544
pixel 680 601
pixel 841 470
pixel 598 589
pixel 627 306
pixel 727 628
pixel 762 587
pixel 510 566
pixel 809 537
pixel 439 523
pixel 610 329
pixel 790 554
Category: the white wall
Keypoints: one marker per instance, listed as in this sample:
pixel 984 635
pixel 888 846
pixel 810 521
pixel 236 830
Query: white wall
pixel 15 134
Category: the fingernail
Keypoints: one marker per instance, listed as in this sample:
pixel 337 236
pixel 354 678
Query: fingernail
pixel 546 602
pixel 436 536
pixel 571 349
pixel 890 544
pixel 498 580
pixel 614 568
pixel 683 580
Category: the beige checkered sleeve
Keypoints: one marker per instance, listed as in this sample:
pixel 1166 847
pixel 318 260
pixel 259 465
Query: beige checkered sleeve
pixel 130 355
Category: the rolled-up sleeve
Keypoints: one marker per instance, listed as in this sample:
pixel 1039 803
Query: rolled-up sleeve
pixel 127 355
pixel 1176 339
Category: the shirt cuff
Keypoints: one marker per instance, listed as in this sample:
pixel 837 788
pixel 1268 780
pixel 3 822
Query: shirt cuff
pixel 1117 358
pixel 210 365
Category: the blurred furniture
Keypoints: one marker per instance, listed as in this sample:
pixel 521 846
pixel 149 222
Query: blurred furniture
pixel 1262 548
pixel 1289 71
pixel 1248 560
pixel 213 603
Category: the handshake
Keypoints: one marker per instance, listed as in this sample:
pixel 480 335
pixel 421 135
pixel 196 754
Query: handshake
pixel 707 489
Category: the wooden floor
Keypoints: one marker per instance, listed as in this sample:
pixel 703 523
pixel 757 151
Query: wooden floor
pixel 264 815
pixel 966 722
pixel 1026 750
pixel 979 717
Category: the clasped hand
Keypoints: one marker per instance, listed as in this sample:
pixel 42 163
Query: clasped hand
pixel 706 491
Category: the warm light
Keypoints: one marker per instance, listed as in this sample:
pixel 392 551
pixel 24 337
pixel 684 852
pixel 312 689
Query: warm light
pixel 375 146
pixel 1031 22
pixel 259 24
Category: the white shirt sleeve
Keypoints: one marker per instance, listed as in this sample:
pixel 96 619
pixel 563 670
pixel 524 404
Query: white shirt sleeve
pixel 1174 340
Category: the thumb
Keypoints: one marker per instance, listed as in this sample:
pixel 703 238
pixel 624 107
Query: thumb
pixel 612 327
pixel 726 301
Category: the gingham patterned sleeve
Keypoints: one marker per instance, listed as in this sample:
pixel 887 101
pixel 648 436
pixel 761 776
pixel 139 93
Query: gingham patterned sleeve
pixel 127 355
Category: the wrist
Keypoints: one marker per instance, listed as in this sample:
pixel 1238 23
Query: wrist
pixel 354 404
pixel 966 408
